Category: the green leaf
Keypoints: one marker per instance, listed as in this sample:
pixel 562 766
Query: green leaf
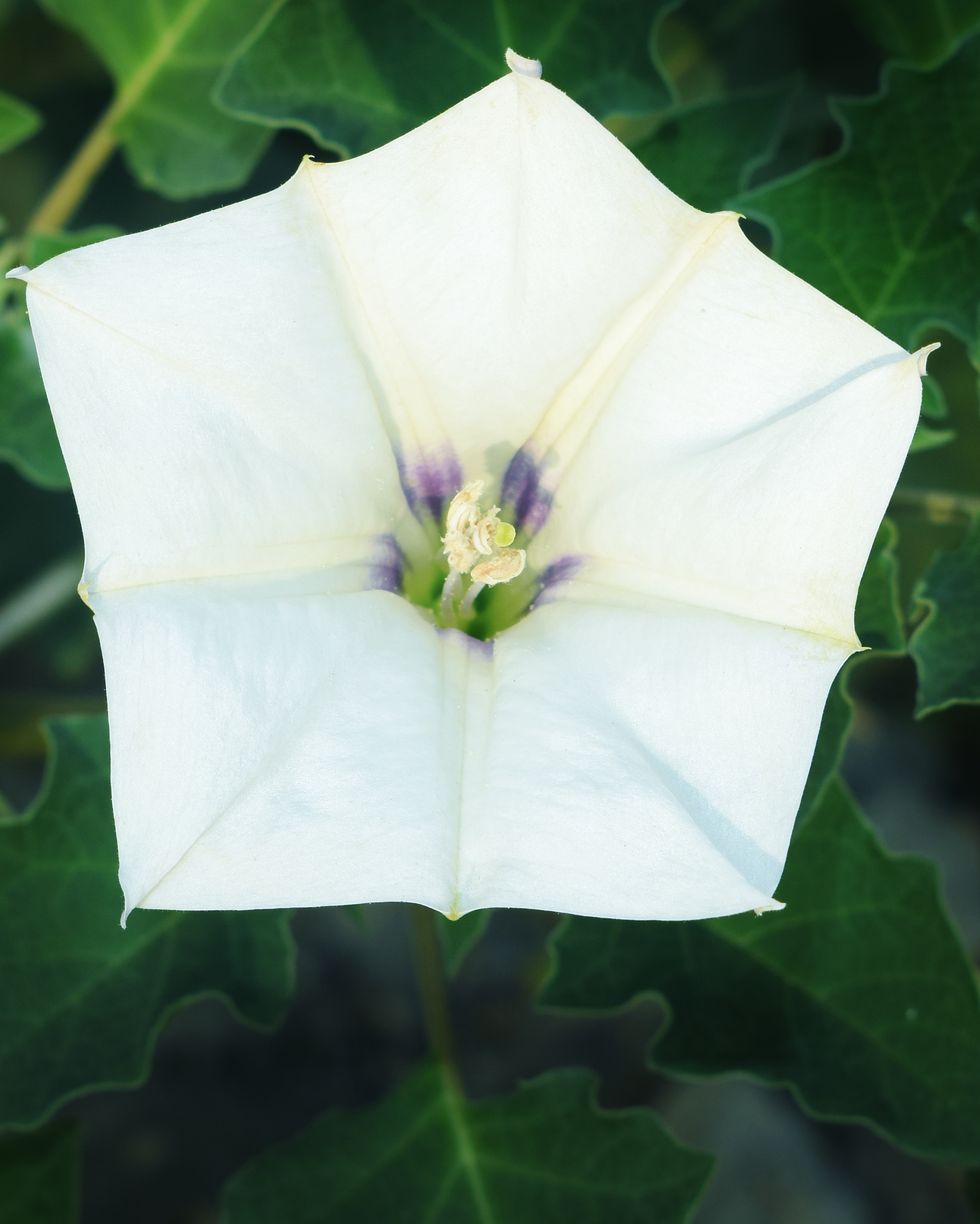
pixel 27 435
pixel 83 1001
pixel 42 247
pixel 355 75
pixel 946 645
pixel 878 615
pixel 933 429
pixel 17 122
pixel 878 619
pixel 857 996
pixel 934 405
pixel 926 438
pixel 458 938
pixel 706 153
pixel 834 728
pixel 890 227
pixel 165 57
pixel 921 31
pixel 39 1177
pixel 545 1153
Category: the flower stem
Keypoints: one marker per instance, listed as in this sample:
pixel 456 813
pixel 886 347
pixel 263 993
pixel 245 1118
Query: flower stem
pixel 432 993
pixel 72 185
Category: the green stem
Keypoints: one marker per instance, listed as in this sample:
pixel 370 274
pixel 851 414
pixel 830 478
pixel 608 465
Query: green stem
pixel 937 506
pixel 70 189
pixel 432 993
pixel 72 185
pixel 41 598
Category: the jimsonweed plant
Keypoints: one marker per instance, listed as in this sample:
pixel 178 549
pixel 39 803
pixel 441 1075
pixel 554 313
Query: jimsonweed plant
pixel 483 476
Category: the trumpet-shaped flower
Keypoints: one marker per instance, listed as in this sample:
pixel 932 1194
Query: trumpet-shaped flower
pixel 471 523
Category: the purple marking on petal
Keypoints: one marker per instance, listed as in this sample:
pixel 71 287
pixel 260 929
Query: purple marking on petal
pixel 388 567
pixel 430 481
pixel 560 570
pixel 522 489
pixel 483 648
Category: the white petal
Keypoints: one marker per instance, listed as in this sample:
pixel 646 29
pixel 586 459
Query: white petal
pixel 276 742
pixel 233 395
pixel 492 249
pixel 739 449
pixel 641 762
pixel 215 414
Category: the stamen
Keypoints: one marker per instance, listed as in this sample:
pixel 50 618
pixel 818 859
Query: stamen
pixel 476 543
pixel 470 598
pixel 464 509
pixel 450 591
pixel 460 552
pixel 485 532
pixel 507 564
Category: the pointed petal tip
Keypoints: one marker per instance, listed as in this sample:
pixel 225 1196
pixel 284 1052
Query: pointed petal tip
pixel 921 356
pixel 129 904
pixel 20 273
pixel 522 66
pixel 772 906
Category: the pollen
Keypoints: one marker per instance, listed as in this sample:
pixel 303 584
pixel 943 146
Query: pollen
pixel 477 543
pixel 464 510
pixel 501 567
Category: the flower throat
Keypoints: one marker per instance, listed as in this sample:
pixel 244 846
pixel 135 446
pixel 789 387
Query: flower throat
pixel 475 579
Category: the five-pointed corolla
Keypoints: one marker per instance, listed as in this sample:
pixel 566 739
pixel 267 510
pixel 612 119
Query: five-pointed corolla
pixel 471 523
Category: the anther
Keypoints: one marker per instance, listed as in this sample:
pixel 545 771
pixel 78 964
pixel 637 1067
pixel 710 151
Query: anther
pixel 502 567
pixel 478 543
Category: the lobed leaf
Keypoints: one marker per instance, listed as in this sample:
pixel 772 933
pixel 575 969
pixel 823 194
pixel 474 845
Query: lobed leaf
pixel 546 1152
pixel 878 619
pixel 878 614
pixel 165 57
pixel 946 646
pixel 706 153
pixel 889 226
pixel 835 727
pixel 355 75
pixel 857 996
pixel 27 436
pixel 82 1000
pixel 924 32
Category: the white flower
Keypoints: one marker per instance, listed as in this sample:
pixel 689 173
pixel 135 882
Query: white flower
pixel 267 411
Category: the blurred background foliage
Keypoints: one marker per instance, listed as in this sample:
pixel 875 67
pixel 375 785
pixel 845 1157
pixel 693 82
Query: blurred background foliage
pixel 827 1057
